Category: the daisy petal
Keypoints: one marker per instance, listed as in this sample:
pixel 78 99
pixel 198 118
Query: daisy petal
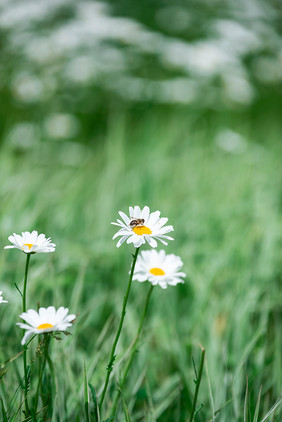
pixel 124 217
pixel 152 242
pixel 121 240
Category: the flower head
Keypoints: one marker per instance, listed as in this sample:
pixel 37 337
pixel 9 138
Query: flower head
pixel 158 268
pixel 31 242
pixel 45 321
pixel 1 298
pixel 142 226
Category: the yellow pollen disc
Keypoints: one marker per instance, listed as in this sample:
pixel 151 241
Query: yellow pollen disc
pixel 43 326
pixel 157 271
pixel 142 230
pixel 29 245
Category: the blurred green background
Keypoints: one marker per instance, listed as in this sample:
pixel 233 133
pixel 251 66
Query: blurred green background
pixel 175 105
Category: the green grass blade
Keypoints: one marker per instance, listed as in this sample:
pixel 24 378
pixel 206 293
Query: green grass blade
pixel 125 408
pixel 95 401
pixel 246 403
pixel 272 410
pixel 222 407
pixel 4 414
pixel 150 403
pixel 86 395
pixel 14 397
pixel 257 406
pixel 210 390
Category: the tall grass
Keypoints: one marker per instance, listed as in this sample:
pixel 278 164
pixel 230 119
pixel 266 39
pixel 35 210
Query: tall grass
pixel 226 211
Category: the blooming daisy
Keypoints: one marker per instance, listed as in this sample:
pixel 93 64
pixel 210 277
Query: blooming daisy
pixel 1 298
pixel 158 268
pixel 45 321
pixel 31 242
pixel 142 226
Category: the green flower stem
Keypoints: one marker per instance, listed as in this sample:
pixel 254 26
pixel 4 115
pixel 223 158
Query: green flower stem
pixel 41 365
pixel 113 356
pixel 133 349
pixel 198 382
pixel 25 281
pixel 39 354
pixel 25 347
pixel 47 338
pixel 38 387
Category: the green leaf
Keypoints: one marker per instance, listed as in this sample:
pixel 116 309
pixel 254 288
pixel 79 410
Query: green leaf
pixel 95 401
pixel 86 395
pixel 125 408
pixel 18 289
pixel 3 372
pixel 246 403
pixel 257 407
pixel 4 414
pixel 222 407
pixel 52 371
pixel 272 410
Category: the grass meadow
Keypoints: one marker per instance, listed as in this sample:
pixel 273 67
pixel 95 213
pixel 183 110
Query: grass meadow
pixel 224 201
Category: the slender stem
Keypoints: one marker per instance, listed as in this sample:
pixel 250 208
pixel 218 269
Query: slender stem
pixel 41 367
pixel 198 382
pixel 113 356
pixel 47 338
pixel 25 281
pixel 133 349
pixel 25 347
pixel 39 380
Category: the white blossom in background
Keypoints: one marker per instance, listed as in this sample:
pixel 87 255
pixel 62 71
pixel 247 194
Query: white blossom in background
pixel 31 242
pixel 159 268
pixel 86 49
pixel 1 298
pixel 231 141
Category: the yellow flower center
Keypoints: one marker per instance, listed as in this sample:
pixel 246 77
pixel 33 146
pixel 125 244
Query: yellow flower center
pixel 157 271
pixel 44 326
pixel 29 245
pixel 142 230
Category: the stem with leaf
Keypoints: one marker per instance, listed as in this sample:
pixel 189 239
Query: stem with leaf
pixel 198 382
pixel 41 365
pixel 113 351
pixel 40 361
pixel 133 350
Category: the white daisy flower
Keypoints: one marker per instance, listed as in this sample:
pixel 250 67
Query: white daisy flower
pixel 1 298
pixel 158 268
pixel 31 242
pixel 45 321
pixel 142 226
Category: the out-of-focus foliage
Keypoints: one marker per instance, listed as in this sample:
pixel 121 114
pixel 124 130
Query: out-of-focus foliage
pixel 69 58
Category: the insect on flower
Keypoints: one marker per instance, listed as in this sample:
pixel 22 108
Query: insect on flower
pixel 136 222
pixel 142 226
